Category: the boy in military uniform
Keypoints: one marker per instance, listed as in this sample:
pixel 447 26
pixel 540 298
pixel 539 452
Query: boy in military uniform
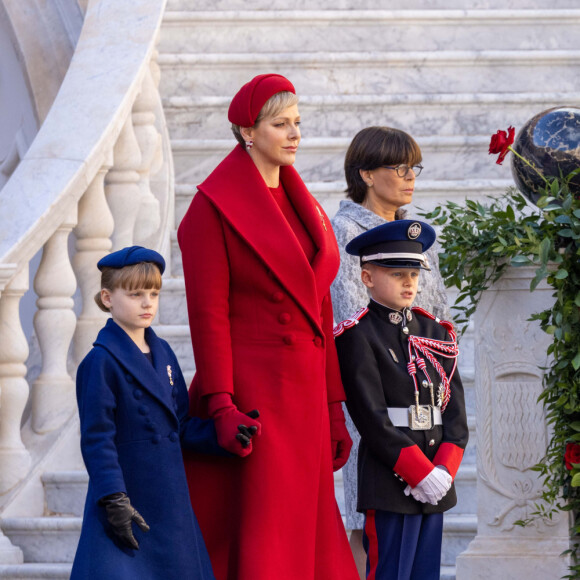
pixel 404 394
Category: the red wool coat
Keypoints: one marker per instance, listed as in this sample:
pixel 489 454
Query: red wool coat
pixel 261 327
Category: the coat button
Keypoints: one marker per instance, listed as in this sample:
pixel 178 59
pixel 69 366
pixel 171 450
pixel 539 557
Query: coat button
pixel 431 442
pixel 284 318
pixel 156 438
pixel 143 410
pixel 277 296
pixel 149 424
pixel 317 341
pixel 173 436
pixel 289 339
pixel 138 393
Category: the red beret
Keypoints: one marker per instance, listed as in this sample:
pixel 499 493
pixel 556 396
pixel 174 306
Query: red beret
pixel 249 100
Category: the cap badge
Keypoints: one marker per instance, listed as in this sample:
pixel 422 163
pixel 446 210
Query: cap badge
pixel 395 318
pixel 414 231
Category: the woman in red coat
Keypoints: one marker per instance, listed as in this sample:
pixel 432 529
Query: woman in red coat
pixel 259 256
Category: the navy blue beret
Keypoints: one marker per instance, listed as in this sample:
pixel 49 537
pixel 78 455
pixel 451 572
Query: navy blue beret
pixel 396 244
pixel 130 256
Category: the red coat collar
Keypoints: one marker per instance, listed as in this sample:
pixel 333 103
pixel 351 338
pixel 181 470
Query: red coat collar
pixel 240 194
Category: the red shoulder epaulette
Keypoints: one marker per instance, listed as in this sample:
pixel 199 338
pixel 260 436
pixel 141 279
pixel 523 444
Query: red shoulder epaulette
pixel 444 323
pixel 349 322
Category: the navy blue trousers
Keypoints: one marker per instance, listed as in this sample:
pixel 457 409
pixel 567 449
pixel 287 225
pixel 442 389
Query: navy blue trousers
pixel 401 546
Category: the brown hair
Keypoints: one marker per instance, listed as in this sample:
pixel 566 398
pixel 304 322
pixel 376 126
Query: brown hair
pixel 272 107
pixel 373 147
pixel 142 275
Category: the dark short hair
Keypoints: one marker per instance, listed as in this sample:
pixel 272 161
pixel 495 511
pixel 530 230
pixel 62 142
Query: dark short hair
pixel 373 147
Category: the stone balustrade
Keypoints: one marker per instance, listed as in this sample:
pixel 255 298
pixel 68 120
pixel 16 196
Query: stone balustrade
pixel 89 172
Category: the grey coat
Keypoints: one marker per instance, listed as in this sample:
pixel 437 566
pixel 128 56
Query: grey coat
pixel 349 295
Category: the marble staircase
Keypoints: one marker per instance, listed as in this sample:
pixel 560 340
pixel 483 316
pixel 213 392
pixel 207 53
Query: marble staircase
pixel 449 76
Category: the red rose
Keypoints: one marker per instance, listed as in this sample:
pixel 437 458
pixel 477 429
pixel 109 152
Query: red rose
pixel 500 143
pixel 572 455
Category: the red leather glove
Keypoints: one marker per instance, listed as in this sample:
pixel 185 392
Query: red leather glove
pixel 339 437
pixel 229 423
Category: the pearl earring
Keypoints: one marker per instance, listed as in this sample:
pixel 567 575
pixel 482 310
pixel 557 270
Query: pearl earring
pixel 249 144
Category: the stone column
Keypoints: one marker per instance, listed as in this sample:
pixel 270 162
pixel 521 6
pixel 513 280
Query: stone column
pixel 511 438
pixel 122 186
pixel 14 457
pixel 95 227
pixel 53 394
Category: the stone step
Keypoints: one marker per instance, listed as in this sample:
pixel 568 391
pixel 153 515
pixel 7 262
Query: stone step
pixel 45 539
pixel 219 5
pixel 36 572
pixel 447 573
pixel 322 158
pixel 65 492
pixel 466 487
pixel 377 72
pixel 458 531
pixel 259 31
pixel 343 115
pixel 428 195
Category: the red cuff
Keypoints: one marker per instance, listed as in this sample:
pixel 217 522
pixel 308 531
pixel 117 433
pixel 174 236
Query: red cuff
pixel 449 455
pixel 412 465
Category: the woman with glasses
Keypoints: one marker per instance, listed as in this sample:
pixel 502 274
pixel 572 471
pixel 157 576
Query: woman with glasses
pixel 380 167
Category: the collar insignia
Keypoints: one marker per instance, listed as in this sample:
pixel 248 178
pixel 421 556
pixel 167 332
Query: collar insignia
pixel 395 317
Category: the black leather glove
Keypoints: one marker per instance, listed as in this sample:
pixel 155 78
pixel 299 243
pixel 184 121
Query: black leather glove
pixel 120 514
pixel 246 433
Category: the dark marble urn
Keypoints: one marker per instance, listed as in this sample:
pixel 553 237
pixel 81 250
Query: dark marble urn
pixel 551 141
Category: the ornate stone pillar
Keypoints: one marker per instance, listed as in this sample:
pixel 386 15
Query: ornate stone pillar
pixel 53 395
pixel 14 457
pixel 511 438
pixel 93 232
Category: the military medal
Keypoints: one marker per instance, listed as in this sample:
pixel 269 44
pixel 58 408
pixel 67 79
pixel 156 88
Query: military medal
pixel 169 374
pixel 440 395
pixel 393 355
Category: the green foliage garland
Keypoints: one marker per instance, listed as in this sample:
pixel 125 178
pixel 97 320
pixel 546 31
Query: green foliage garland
pixel 479 242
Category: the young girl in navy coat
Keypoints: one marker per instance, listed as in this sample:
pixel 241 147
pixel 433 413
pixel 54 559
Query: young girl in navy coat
pixel 133 407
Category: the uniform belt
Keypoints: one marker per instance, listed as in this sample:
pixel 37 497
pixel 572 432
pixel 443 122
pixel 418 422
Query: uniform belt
pixel 399 416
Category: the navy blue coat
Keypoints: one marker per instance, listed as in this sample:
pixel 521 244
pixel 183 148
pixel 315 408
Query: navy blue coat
pixel 132 423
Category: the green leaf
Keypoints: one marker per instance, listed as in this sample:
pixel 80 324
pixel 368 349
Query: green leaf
pixel 561 274
pixel 545 247
pixel 575 481
pixel 576 361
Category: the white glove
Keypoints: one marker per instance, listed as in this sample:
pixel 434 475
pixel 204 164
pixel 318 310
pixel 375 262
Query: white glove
pixel 417 494
pixel 432 488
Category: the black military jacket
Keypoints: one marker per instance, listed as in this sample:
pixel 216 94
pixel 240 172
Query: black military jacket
pixel 373 357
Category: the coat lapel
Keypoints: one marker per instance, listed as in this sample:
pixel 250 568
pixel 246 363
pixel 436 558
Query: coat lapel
pixel 238 191
pixel 119 344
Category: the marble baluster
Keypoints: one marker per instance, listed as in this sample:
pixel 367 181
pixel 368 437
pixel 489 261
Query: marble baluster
pixel 122 186
pixel 93 231
pixel 149 139
pixel 53 396
pixel 14 457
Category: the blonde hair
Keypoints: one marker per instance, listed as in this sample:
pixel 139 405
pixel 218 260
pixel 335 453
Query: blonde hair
pixel 272 107
pixel 142 275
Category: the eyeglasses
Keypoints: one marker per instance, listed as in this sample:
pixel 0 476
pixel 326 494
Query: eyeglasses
pixel 402 169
